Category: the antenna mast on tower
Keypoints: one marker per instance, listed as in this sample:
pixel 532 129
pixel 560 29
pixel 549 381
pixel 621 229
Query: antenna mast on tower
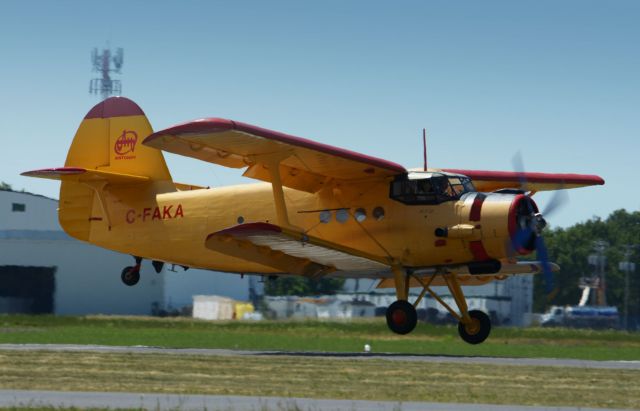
pixel 102 64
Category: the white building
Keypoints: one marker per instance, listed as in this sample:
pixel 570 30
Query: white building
pixel 44 270
pixel 323 307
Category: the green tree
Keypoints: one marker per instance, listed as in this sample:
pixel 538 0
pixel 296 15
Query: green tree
pixel 5 186
pixel 570 248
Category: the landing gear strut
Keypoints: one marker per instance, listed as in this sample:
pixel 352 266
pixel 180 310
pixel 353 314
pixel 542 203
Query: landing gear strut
pixel 473 326
pixel 401 315
pixel 131 275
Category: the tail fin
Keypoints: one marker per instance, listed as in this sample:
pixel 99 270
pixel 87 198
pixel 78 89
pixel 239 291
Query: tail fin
pixel 107 147
pixel 110 139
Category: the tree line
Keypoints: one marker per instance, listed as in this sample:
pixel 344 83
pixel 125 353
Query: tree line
pixel 570 248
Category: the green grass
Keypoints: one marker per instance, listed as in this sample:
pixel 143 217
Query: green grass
pixel 286 376
pixel 316 336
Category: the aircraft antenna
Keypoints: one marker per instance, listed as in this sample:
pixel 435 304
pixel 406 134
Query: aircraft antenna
pixel 424 147
pixel 102 63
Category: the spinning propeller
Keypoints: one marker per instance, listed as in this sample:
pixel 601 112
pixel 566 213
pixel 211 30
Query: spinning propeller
pixel 530 223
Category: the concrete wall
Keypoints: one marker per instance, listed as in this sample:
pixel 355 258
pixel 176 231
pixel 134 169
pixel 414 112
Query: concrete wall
pixel 87 279
pixel 40 212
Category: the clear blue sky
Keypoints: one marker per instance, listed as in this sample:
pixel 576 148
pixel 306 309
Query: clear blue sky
pixel 559 81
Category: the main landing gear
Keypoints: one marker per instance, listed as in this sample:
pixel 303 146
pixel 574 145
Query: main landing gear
pixel 477 330
pixel 401 317
pixel 473 326
pixel 131 275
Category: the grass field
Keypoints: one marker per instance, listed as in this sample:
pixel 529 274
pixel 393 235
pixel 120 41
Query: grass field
pixel 302 376
pixel 320 378
pixel 317 336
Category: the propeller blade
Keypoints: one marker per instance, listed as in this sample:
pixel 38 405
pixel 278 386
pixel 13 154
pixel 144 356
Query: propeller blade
pixel 543 256
pixel 518 167
pixel 522 238
pixel 559 199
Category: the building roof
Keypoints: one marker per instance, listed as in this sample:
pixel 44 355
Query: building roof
pixel 10 190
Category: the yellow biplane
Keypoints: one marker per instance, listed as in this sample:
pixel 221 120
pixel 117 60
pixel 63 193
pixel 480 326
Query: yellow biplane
pixel 318 210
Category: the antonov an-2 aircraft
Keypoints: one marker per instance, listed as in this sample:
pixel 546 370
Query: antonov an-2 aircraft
pixel 318 210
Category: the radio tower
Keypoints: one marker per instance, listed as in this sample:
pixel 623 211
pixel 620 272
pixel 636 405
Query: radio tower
pixel 102 64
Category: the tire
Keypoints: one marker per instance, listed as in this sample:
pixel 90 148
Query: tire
pixel 401 317
pixel 482 330
pixel 130 276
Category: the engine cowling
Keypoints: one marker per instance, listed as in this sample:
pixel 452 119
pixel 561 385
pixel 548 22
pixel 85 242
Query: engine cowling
pixel 496 225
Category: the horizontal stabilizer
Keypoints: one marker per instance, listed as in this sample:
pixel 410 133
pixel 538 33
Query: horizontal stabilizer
pixel 290 251
pixel 83 175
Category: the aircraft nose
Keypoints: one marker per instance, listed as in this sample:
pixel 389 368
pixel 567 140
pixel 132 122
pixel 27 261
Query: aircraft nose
pixel 525 222
pixel 540 223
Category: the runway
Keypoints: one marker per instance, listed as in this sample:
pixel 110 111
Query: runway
pixel 57 399
pixel 543 362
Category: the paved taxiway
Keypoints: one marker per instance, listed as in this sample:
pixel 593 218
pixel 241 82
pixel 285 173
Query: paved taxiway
pixel 12 398
pixel 629 365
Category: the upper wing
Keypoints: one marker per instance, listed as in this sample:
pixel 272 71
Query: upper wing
pixel 304 164
pixel 487 181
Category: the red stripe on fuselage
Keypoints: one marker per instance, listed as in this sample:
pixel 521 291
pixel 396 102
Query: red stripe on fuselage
pixel 476 247
pixel 478 251
pixel 476 207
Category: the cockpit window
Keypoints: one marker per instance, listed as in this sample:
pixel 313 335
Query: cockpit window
pixel 429 188
pixel 461 185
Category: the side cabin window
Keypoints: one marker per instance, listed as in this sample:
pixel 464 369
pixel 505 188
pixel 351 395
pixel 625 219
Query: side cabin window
pixel 428 188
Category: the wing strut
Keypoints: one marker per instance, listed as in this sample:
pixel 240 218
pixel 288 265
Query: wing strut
pixel 272 163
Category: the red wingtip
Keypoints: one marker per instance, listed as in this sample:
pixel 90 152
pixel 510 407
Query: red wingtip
pixel 115 107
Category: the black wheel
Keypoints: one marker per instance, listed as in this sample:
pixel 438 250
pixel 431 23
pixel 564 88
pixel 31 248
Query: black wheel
pixel 478 330
pixel 401 317
pixel 130 276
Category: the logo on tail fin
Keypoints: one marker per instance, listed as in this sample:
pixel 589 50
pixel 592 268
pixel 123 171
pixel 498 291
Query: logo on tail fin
pixel 125 144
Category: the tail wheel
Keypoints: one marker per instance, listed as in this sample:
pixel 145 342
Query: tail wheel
pixel 401 317
pixel 478 330
pixel 130 276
